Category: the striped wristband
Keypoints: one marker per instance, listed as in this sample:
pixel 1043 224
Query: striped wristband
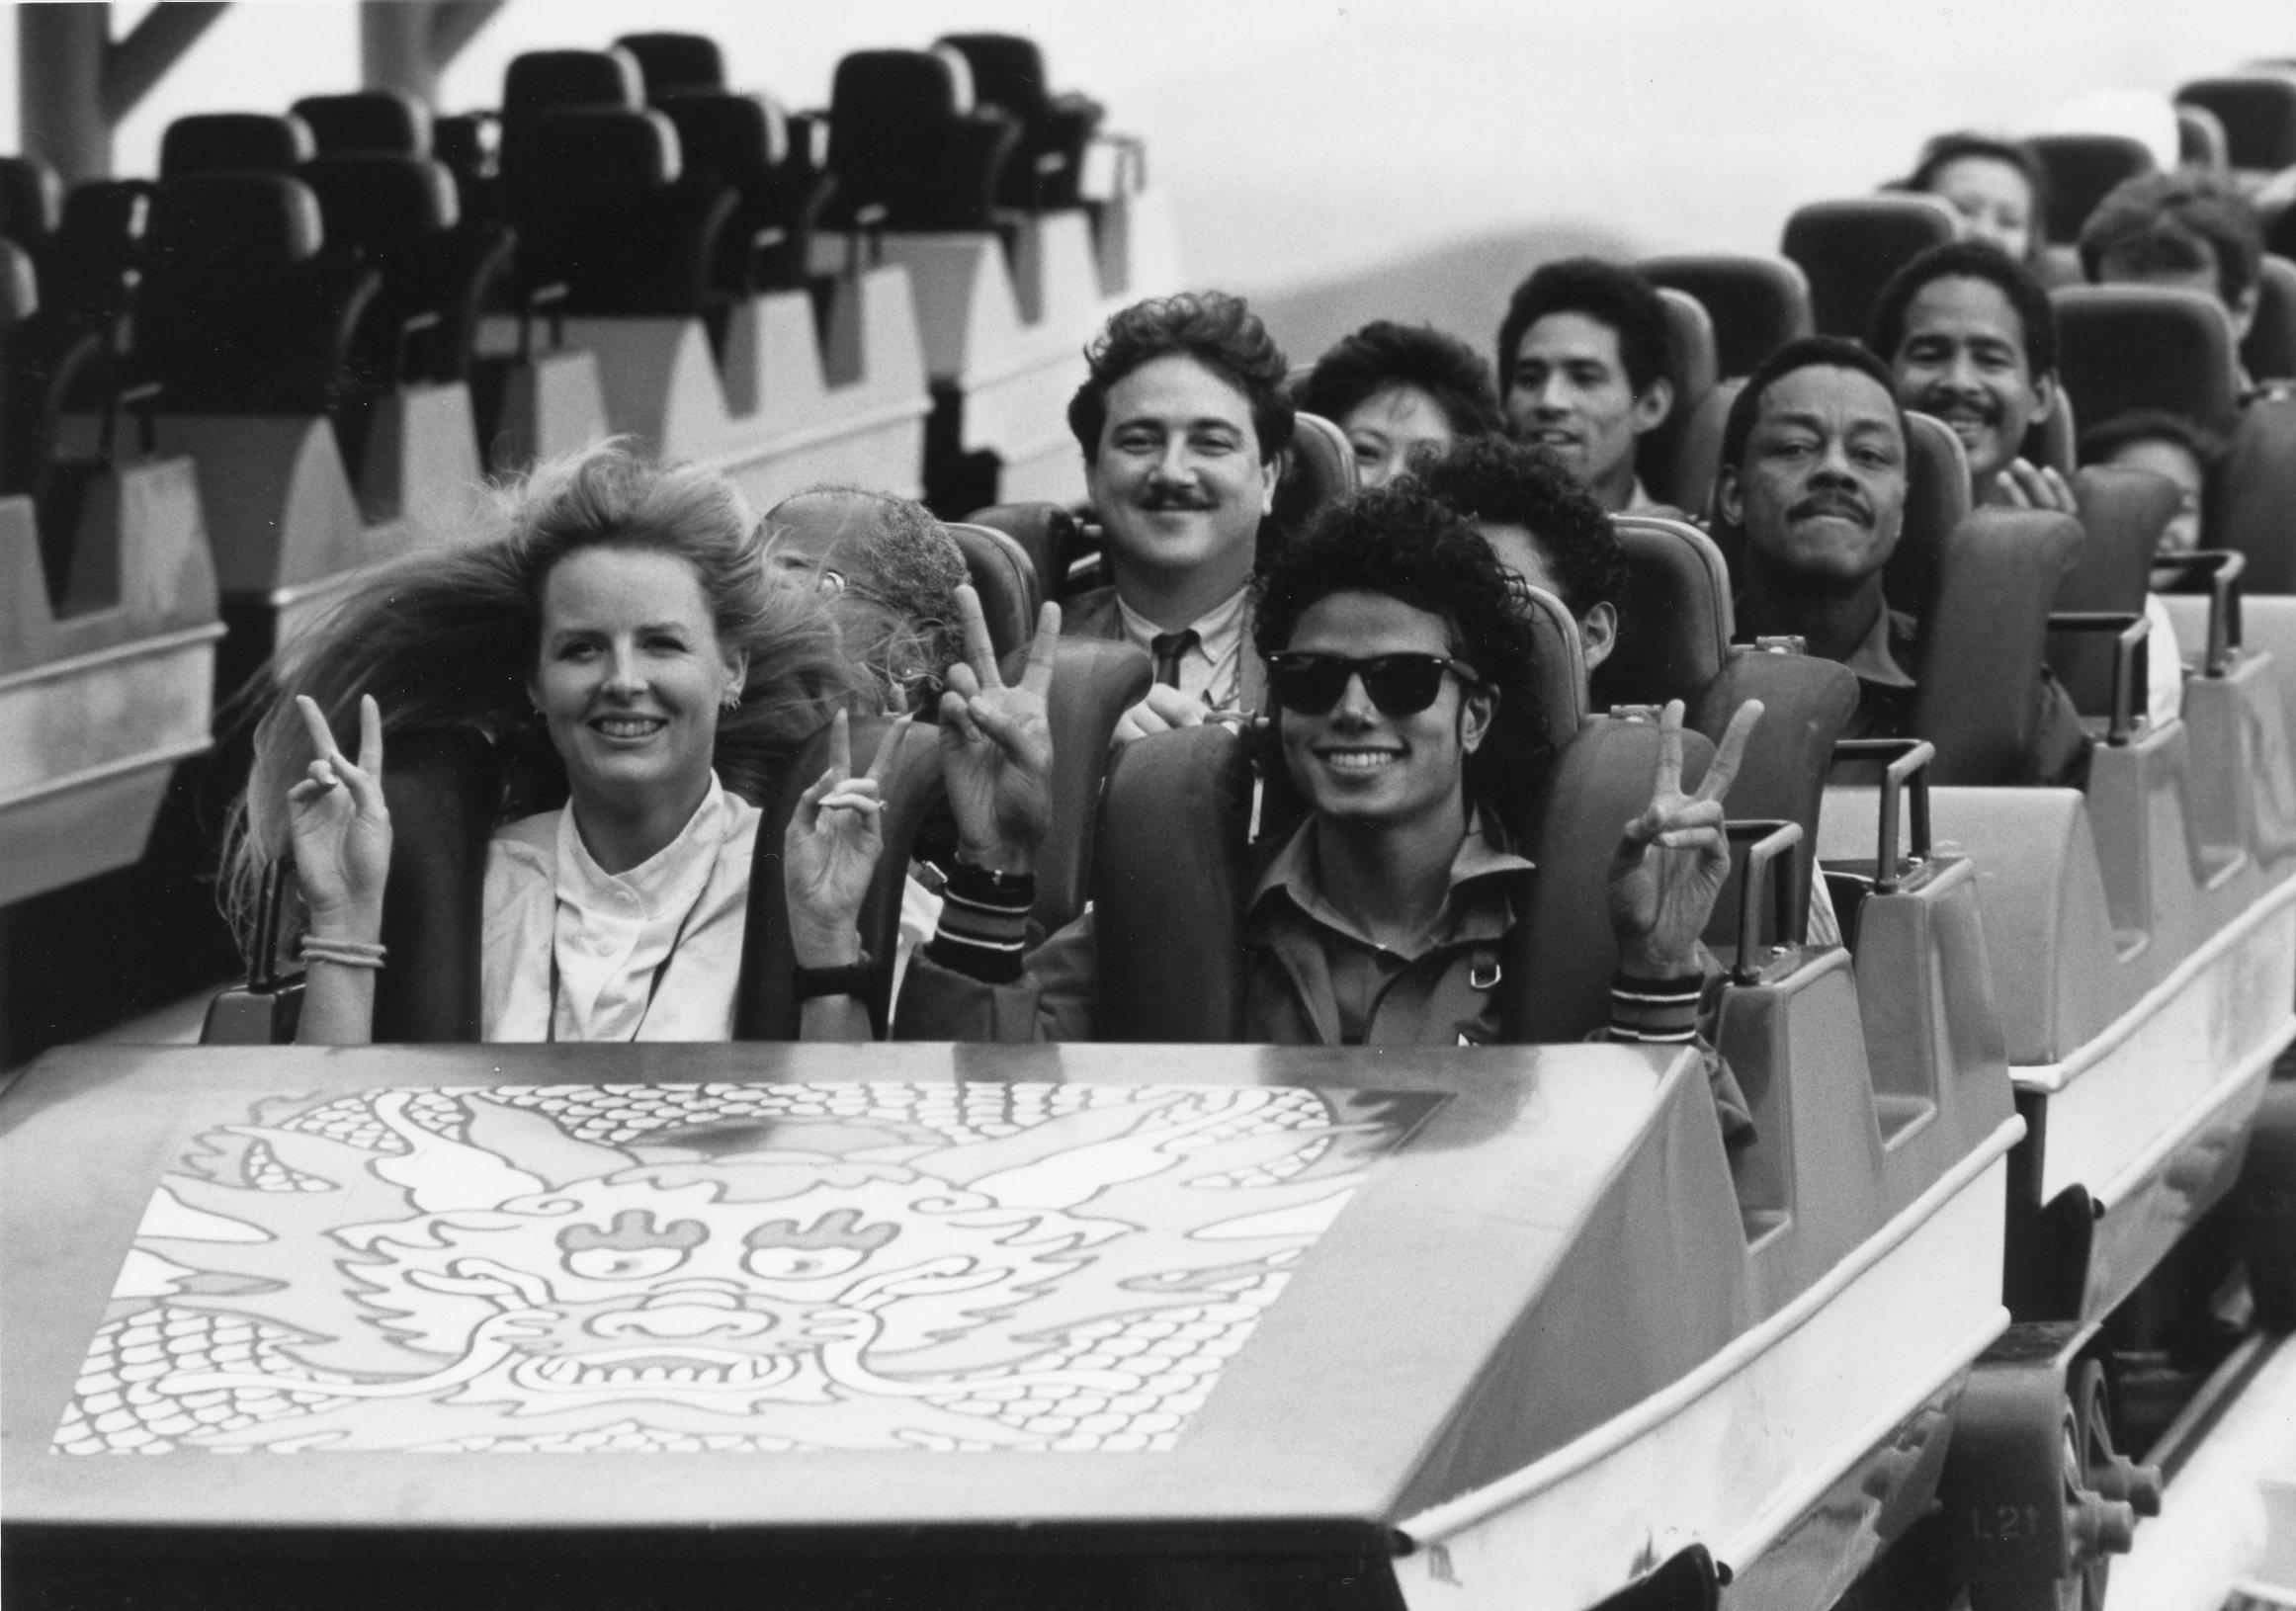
pixel 1655 1011
pixel 983 925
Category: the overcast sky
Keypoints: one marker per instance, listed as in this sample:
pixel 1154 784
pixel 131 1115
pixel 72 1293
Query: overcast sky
pixel 1300 138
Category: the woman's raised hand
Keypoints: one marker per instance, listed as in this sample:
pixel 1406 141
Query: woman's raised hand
pixel 340 826
pixel 1674 858
pixel 996 745
pixel 831 849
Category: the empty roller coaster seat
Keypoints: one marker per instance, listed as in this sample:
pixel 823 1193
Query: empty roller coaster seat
pixel 243 308
pixel 1009 73
pixel 2080 169
pixel 444 790
pixel 1756 303
pixel 2125 348
pixel 1849 250
pixel 234 143
pixel 742 142
pixel 2259 115
pixel 1663 457
pixel 675 64
pixel 905 134
pixel 385 122
pixel 1980 700
pixel 599 206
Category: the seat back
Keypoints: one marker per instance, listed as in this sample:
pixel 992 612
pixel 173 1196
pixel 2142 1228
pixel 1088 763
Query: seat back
pixel 1005 577
pixel 444 789
pixel 1095 682
pixel 733 137
pixel 1756 303
pixel 1937 503
pixel 2259 115
pixel 32 200
pixel 671 64
pixel 2269 351
pixel 2200 140
pixel 1698 455
pixel 1008 70
pixel 1050 536
pixel 1693 374
pixel 540 81
pixel 596 197
pixel 1849 250
pixel 1319 469
pixel 2079 169
pixel 388 206
pixel 2250 505
pixel 905 134
pixel 1983 642
pixel 1675 622
pixel 234 143
pixel 2122 515
pixel 2123 347
pixel 1008 75
pixel 388 123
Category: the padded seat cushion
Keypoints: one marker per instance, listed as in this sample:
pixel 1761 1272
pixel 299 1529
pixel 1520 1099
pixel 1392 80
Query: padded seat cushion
pixel 675 64
pixel 1849 249
pixel 2258 114
pixel 1983 642
pixel 234 143
pixel 1756 303
pixel 550 80
pixel 382 203
pixel 385 121
pixel 1674 625
pixel 2080 169
pixel 2124 348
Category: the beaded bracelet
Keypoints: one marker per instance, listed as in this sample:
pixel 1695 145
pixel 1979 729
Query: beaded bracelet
pixel 347 952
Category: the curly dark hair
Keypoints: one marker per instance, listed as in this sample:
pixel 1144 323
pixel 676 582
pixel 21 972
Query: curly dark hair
pixel 1397 540
pixel 1505 483
pixel 1218 331
pixel 2181 220
pixel 1384 354
pixel 1964 145
pixel 1968 259
pixel 1611 293
pixel 2108 437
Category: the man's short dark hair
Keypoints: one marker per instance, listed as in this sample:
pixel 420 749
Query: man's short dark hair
pixel 1809 353
pixel 2102 441
pixel 1218 331
pixel 1384 354
pixel 1397 540
pixel 1505 483
pixel 1947 150
pixel 1609 293
pixel 2162 221
pixel 1968 259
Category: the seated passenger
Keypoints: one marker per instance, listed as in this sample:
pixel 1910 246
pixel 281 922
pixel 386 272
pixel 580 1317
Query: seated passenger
pixel 2169 446
pixel 1995 185
pixel 1814 474
pixel 1395 641
pixel 1183 420
pixel 1542 523
pixel 889 556
pixel 627 651
pixel 1971 340
pixel 1396 389
pixel 1585 357
pixel 2187 230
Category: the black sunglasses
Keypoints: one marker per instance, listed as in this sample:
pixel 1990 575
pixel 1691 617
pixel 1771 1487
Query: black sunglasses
pixel 1399 684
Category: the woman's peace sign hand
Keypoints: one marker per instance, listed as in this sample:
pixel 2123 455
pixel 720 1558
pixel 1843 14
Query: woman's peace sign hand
pixel 996 745
pixel 1673 859
pixel 340 826
pixel 831 849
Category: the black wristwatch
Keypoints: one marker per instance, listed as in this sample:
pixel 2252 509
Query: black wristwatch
pixel 846 978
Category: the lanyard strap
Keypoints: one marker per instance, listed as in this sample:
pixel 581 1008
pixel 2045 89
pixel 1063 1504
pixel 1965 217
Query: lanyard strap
pixel 653 985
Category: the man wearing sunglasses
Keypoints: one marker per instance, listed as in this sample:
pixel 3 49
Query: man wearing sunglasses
pixel 1397 648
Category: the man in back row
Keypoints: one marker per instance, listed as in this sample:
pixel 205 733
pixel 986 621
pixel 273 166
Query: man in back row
pixel 1584 356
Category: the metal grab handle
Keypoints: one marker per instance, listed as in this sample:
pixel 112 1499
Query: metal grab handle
pixel 1907 774
pixel 866 232
pixel 552 297
pixel 414 325
pixel 142 399
pixel 2129 667
pixel 1771 839
pixel 2223 567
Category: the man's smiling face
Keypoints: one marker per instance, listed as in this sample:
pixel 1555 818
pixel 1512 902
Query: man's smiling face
pixel 1963 360
pixel 1821 492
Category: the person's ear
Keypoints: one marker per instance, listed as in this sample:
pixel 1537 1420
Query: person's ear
pixel 737 673
pixel 1598 633
pixel 1653 405
pixel 2045 388
pixel 1271 476
pixel 1476 714
pixel 1729 496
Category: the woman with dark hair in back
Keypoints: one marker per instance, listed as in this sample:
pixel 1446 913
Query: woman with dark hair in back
pixel 1396 389
pixel 1996 185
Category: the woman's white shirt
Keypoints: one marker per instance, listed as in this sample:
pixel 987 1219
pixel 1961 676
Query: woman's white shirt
pixel 611 932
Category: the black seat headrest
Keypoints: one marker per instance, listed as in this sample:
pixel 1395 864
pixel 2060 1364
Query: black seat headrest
pixel 233 142
pixel 1936 503
pixel 386 121
pixel 879 90
pixel 551 80
pixel 1559 673
pixel 674 63
pixel 2268 352
pixel 2079 169
pixel 31 199
pixel 1319 469
pixel 380 202
pixel 1692 372
pixel 2258 113
pixel 2124 348
pixel 1049 534
pixel 1849 249
pixel 1675 622
pixel 728 134
pixel 223 224
pixel 1008 70
pixel 1756 303
pixel 1005 577
pixel 1984 642
pixel 578 152
pixel 2200 140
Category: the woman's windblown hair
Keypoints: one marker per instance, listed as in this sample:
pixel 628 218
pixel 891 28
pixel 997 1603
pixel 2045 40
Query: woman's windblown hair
pixel 450 637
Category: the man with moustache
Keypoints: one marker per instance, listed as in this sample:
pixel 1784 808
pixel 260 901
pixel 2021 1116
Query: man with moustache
pixel 1183 421
pixel 1585 354
pixel 1814 474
